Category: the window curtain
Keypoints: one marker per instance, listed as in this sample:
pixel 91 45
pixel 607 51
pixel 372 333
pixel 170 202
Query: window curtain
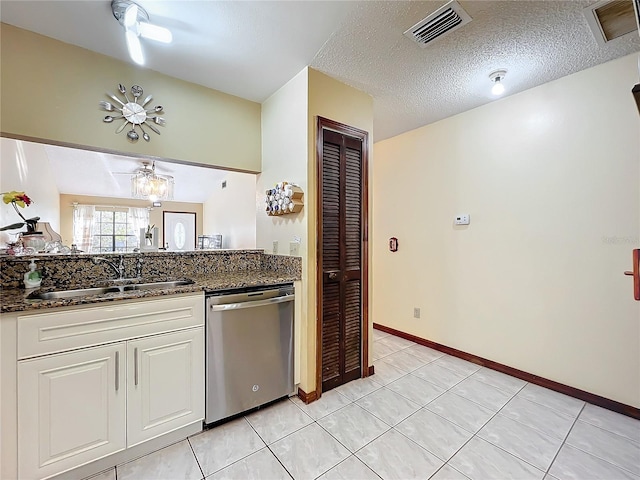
pixel 83 226
pixel 139 218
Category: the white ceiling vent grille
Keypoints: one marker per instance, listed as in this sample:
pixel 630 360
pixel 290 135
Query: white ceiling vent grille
pixel 446 19
pixel 611 19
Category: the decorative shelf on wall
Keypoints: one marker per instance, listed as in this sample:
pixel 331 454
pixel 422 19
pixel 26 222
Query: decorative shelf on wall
pixel 283 199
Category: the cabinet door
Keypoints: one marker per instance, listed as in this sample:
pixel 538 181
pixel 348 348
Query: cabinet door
pixel 166 383
pixel 71 409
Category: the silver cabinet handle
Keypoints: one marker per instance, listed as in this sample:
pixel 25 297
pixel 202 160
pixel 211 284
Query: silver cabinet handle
pixel 260 303
pixel 117 371
pixel 135 366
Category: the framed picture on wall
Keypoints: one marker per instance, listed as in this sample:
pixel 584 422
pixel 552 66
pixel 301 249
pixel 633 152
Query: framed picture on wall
pixel 179 230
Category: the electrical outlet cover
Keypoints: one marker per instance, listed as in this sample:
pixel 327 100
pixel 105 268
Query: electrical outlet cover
pixel 462 219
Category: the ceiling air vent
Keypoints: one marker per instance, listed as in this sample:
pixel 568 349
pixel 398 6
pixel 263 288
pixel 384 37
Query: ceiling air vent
pixel 611 19
pixel 445 20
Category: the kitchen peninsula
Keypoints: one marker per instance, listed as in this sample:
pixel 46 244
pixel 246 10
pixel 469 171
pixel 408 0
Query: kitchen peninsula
pixel 94 380
pixel 209 269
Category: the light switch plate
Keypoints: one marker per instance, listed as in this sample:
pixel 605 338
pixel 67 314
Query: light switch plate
pixel 275 247
pixel 462 219
pixel 294 249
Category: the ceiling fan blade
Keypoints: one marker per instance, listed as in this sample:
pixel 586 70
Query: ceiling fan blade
pixel 154 32
pixel 134 47
pixel 130 16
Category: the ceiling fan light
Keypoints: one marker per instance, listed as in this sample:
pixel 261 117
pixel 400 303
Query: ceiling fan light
pixel 154 32
pixel 134 47
pixel 130 16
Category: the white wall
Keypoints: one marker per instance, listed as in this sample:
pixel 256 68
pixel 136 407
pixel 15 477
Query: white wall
pixel 551 179
pixel 25 167
pixel 231 211
pixel 284 158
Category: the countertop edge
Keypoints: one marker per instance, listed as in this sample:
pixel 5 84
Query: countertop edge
pixel 14 300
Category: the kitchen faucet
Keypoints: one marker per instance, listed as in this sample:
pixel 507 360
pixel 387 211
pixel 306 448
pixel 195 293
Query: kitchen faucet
pixel 119 268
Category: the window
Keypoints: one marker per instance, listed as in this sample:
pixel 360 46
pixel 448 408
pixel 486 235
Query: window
pixel 100 229
pixel 113 231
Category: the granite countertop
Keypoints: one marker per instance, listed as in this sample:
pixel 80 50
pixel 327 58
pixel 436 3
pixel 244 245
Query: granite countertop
pixel 14 299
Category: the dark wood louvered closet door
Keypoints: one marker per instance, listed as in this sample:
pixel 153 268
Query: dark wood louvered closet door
pixel 342 198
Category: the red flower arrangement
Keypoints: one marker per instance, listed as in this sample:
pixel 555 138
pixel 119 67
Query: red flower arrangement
pixel 19 199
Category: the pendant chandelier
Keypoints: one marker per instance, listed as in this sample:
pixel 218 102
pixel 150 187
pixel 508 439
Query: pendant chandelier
pixel 148 184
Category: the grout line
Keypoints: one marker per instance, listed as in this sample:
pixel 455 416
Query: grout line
pixel 354 453
pixel 594 454
pixel 195 456
pixel 564 441
pixel 278 460
pixel 495 386
pixel 450 466
pixel 474 435
pixel 267 446
pixel 552 408
pixel 480 404
pixel 510 453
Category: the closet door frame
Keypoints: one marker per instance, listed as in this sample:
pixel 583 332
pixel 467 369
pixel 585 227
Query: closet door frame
pixel 322 125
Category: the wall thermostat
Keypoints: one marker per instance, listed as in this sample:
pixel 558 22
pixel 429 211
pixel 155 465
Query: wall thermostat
pixel 462 219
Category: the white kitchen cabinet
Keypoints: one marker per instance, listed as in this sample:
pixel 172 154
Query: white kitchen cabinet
pixel 165 389
pixel 79 401
pixel 72 409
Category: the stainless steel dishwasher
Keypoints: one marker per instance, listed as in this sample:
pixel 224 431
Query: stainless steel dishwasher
pixel 249 349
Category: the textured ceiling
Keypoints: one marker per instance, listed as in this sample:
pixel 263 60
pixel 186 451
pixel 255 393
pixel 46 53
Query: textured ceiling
pixel 535 41
pixel 250 49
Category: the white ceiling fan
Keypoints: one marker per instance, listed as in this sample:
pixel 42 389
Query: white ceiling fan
pixel 135 21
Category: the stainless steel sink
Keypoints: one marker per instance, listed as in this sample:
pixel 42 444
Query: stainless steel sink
pixel 82 292
pixel 157 285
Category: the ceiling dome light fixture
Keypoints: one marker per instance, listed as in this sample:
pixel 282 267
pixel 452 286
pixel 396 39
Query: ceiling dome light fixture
pixel 135 21
pixel 497 77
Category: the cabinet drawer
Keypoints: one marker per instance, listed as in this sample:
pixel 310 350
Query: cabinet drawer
pixel 59 330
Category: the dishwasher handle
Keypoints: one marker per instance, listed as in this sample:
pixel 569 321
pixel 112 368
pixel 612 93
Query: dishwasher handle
pixel 259 303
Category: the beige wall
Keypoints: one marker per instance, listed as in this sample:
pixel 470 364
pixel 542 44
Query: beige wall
pixel 50 90
pixel 231 211
pixel 25 167
pixel 155 215
pixel 551 179
pixel 336 101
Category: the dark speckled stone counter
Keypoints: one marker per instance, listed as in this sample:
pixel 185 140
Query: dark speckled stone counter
pixel 211 270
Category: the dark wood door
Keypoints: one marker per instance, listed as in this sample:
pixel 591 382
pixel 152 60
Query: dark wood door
pixel 342 226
